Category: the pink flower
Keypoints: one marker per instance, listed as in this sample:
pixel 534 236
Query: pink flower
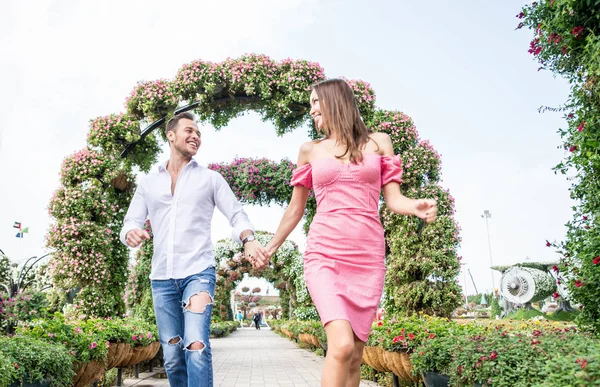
pixel 573 148
pixel 578 283
pixel 134 337
pixel 580 127
pixel 149 335
pixel 93 345
pixel 555 295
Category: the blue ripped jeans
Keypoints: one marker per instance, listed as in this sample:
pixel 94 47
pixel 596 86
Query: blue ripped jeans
pixel 179 327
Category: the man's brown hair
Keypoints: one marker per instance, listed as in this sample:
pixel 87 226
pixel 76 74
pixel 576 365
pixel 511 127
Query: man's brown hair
pixel 172 124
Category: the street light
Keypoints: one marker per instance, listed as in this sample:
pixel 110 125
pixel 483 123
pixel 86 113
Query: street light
pixel 487 215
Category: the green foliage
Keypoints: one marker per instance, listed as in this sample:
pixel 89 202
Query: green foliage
pixel 89 340
pixel 495 306
pixel 567 42
pixel 34 361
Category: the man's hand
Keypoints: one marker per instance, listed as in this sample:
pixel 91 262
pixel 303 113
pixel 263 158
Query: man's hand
pixel 256 254
pixel 135 237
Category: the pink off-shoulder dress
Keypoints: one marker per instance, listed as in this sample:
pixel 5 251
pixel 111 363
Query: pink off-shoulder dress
pixel 344 261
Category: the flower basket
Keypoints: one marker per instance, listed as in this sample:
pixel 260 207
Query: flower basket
pixel 373 357
pixel 117 352
pixel 315 341
pixel 399 364
pixel 120 182
pixel 305 338
pixel 87 373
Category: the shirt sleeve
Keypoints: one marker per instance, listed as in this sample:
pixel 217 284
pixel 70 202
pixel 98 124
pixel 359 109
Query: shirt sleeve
pixel 302 176
pixel 228 204
pixel 391 169
pixel 136 213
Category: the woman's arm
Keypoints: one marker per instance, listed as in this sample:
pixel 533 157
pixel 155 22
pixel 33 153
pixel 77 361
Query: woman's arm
pixel 425 209
pixel 294 211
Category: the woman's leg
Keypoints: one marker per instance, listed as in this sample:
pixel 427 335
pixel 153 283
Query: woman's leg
pixel 354 374
pixel 340 352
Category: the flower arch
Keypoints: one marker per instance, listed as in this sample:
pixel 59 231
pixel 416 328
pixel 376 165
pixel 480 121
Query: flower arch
pixel 97 182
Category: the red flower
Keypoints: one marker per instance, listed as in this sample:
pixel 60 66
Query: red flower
pixel 555 268
pixel 564 50
pixel 548 244
pixel 493 355
pixel 582 362
pixel 577 31
pixel 573 148
pixel 570 115
pixel 585 217
pixel 578 284
pixel 580 127
pixel 520 26
pixel 16 365
pixel 596 260
pixel 431 336
pixel 460 369
pixel 555 295
pixel 520 15
pixel 379 323
pixel 411 336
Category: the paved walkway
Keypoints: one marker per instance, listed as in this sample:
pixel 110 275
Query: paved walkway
pixel 255 358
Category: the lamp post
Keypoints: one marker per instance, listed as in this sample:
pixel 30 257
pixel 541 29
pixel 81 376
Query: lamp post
pixel 487 215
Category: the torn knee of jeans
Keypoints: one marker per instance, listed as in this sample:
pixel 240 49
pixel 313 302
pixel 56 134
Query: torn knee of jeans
pixel 195 346
pixel 175 340
pixel 198 302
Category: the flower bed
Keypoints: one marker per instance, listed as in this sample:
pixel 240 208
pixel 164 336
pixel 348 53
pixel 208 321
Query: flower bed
pixel 96 345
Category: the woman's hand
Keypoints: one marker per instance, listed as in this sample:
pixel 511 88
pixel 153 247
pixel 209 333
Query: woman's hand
pixel 426 209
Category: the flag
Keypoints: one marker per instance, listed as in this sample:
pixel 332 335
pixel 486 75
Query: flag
pixel 21 233
pixel 17 225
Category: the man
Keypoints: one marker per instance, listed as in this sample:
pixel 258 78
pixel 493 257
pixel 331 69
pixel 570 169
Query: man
pixel 257 319
pixel 179 198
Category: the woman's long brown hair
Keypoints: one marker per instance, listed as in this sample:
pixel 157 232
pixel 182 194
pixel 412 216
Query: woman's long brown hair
pixel 341 117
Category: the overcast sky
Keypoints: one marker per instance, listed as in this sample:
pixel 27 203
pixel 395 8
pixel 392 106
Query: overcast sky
pixel 459 69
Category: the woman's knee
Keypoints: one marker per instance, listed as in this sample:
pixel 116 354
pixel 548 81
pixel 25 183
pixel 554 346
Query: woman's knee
pixel 342 351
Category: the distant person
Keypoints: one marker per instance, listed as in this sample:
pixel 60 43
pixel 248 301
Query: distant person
pixel 240 317
pixel 257 320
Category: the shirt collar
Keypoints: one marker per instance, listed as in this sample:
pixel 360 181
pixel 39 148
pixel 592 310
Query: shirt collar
pixel 163 165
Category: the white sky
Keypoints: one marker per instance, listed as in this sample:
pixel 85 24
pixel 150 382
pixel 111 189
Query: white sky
pixel 459 69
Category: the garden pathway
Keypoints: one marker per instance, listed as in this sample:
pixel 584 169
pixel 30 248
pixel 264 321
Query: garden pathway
pixel 255 358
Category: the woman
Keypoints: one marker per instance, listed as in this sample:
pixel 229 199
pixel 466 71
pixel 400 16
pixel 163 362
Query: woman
pixel 345 252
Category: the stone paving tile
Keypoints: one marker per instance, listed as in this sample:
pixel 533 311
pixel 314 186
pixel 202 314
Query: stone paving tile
pixel 256 358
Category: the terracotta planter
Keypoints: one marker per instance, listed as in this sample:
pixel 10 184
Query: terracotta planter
pixel 399 364
pixel 373 357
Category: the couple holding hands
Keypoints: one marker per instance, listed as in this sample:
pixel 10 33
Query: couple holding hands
pixel 344 261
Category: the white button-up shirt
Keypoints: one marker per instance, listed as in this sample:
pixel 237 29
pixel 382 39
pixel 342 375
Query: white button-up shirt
pixel 181 222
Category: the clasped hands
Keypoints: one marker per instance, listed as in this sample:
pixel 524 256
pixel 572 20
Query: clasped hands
pixel 258 255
